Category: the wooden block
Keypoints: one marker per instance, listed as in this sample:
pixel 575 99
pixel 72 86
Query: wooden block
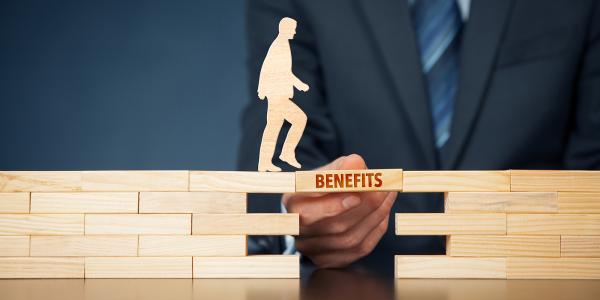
pixel 41 267
pixel 14 245
pixel 553 224
pixel 349 180
pixel 14 203
pixel 197 245
pixel 552 268
pixel 456 181
pixel 192 202
pixel 138 267
pixel 501 202
pixel 40 181
pixel 86 202
pixel 578 203
pixel 135 181
pixel 138 224
pixel 259 266
pixel 447 224
pixel 502 245
pixel 242 182
pixel 79 245
pixel 580 246
pixel 41 224
pixel 441 266
pixel 554 181
pixel 246 224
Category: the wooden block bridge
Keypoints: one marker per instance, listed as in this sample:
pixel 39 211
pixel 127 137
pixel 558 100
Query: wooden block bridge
pixel 515 224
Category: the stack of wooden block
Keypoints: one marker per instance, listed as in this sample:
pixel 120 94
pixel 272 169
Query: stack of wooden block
pixel 507 224
pixel 193 224
pixel 139 224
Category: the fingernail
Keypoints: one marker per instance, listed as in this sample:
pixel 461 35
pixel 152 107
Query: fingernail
pixel 350 202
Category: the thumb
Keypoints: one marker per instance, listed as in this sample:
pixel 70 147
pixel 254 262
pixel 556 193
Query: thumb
pixel 350 162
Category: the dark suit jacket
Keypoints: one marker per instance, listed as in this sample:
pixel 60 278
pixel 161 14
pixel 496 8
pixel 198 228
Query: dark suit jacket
pixel 529 93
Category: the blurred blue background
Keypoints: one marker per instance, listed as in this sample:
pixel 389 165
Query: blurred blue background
pixel 127 84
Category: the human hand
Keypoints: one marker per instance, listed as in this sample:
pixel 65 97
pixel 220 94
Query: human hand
pixel 337 229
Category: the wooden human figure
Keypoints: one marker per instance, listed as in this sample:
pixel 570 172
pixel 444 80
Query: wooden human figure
pixel 276 84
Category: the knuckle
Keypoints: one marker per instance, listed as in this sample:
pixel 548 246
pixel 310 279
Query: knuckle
pixel 382 228
pixel 365 248
pixel 382 214
pixel 338 227
pixel 350 241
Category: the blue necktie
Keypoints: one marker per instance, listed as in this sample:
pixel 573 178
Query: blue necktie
pixel 438 25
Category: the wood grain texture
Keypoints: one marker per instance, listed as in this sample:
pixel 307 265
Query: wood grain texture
pixel 242 182
pixel 41 267
pixel 134 181
pixel 501 202
pixel 246 224
pixel 441 266
pixel 138 267
pixel 553 224
pixel 14 245
pixel 349 180
pixel 41 224
pixel 276 85
pixel 86 202
pixel 138 224
pixel 258 266
pixel 502 245
pixel 578 203
pixel 84 245
pixel 197 245
pixel 40 181
pixel 580 246
pixel 554 181
pixel 456 181
pixel 14 203
pixel 192 202
pixel 552 268
pixel 447 224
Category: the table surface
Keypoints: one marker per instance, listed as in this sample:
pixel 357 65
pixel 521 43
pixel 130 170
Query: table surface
pixel 324 284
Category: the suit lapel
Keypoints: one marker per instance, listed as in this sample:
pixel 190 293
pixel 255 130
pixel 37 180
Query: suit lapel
pixel 390 24
pixel 480 41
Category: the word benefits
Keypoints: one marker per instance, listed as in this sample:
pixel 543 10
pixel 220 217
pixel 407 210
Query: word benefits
pixel 349 180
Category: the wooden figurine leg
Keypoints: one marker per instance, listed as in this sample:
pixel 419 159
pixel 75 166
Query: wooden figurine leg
pixel 298 119
pixel 269 140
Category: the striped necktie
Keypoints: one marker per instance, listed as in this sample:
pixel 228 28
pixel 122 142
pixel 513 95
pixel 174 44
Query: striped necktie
pixel 438 25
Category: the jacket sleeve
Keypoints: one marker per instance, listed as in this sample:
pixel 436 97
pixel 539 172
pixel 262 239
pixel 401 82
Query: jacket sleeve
pixel 583 150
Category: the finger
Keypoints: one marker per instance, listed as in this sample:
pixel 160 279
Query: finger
pixel 314 209
pixel 341 163
pixel 339 259
pixel 334 165
pixel 353 237
pixel 345 221
pixel 352 162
